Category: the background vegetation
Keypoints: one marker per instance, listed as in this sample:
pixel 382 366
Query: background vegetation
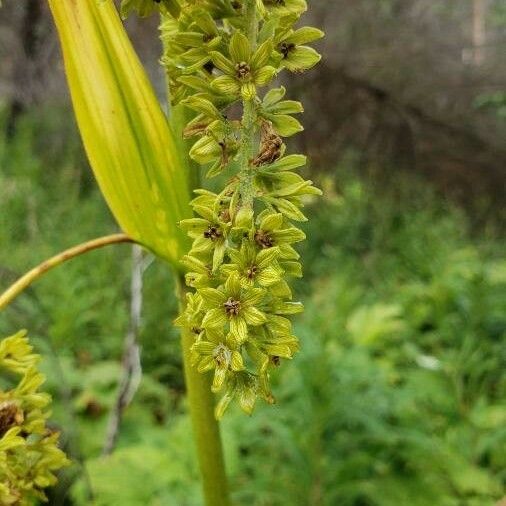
pixel 398 396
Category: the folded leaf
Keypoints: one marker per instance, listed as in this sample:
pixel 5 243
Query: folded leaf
pixel 128 141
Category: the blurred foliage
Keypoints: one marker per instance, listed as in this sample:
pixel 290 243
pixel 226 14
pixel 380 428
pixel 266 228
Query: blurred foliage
pixel 398 396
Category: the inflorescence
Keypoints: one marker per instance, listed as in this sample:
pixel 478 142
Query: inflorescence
pixel 221 58
pixel 29 453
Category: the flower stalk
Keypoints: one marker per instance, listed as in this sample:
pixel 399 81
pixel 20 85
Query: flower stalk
pixel 34 274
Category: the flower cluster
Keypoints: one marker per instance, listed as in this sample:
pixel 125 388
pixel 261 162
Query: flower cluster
pixel 221 59
pixel 29 452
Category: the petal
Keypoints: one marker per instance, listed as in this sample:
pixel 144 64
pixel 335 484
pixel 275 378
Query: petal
pixel 212 298
pixel 254 316
pixel 304 35
pixel 302 58
pixel 266 257
pixel 264 75
pixel 238 329
pixel 272 222
pixel 206 364
pixel 248 91
pixel 240 48
pixel 219 253
pixel 215 318
pixel 262 55
pixel 253 296
pixel 226 85
pixel 219 378
pixel 222 62
pixel 233 286
pixel 237 363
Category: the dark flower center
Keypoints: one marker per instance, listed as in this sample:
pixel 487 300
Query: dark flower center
pixel 10 416
pixel 232 307
pixel 242 70
pixel 286 49
pixel 213 233
pixel 264 239
pixel 252 272
pixel 222 356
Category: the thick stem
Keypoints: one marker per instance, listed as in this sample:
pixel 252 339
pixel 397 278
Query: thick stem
pixel 248 118
pixel 205 427
pixel 25 281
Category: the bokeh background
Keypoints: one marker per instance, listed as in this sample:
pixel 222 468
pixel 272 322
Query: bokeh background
pixel 398 396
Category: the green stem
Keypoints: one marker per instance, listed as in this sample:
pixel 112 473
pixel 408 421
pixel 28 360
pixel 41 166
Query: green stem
pixel 249 118
pixel 205 427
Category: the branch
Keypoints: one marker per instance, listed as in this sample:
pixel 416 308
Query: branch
pixel 132 370
pixel 25 281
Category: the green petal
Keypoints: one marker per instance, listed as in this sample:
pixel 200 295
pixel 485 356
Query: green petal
pixel 254 316
pixel 238 329
pixel 273 97
pixel 264 75
pixel 239 48
pixel 212 298
pixel 219 378
pixel 248 91
pixel 268 276
pixel 253 296
pixel 215 318
pixel 302 58
pixel 206 364
pixel 222 62
pixel 226 85
pixel 262 55
pixel 272 222
pixel 266 257
pixel 304 35
pixel 233 286
pixel 218 254
pixel 237 363
pixel 285 125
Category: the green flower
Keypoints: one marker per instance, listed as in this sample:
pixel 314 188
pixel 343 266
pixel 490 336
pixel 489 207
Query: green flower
pixel 245 387
pixel 285 8
pixel 253 266
pixel 272 232
pixel 29 453
pixel 279 112
pixel 210 352
pixel 296 56
pixel 233 305
pixel 208 232
pixel 245 69
pixel 198 42
pixel 147 7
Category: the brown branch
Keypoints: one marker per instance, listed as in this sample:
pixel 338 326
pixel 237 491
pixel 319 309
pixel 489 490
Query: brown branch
pixel 132 370
pixel 26 280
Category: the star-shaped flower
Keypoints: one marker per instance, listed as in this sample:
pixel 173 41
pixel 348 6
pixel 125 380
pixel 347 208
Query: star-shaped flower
pixel 245 69
pixel 209 231
pixel 254 266
pixel 235 305
pixel 296 56
pixel 211 352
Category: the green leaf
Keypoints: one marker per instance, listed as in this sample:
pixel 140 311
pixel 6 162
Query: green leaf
pixel 126 135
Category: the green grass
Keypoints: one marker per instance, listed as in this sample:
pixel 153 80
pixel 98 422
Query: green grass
pixel 397 397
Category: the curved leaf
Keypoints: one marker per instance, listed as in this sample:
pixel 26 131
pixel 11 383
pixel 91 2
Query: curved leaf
pixel 126 135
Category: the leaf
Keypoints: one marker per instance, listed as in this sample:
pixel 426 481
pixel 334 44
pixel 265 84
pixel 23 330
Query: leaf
pixel 126 135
